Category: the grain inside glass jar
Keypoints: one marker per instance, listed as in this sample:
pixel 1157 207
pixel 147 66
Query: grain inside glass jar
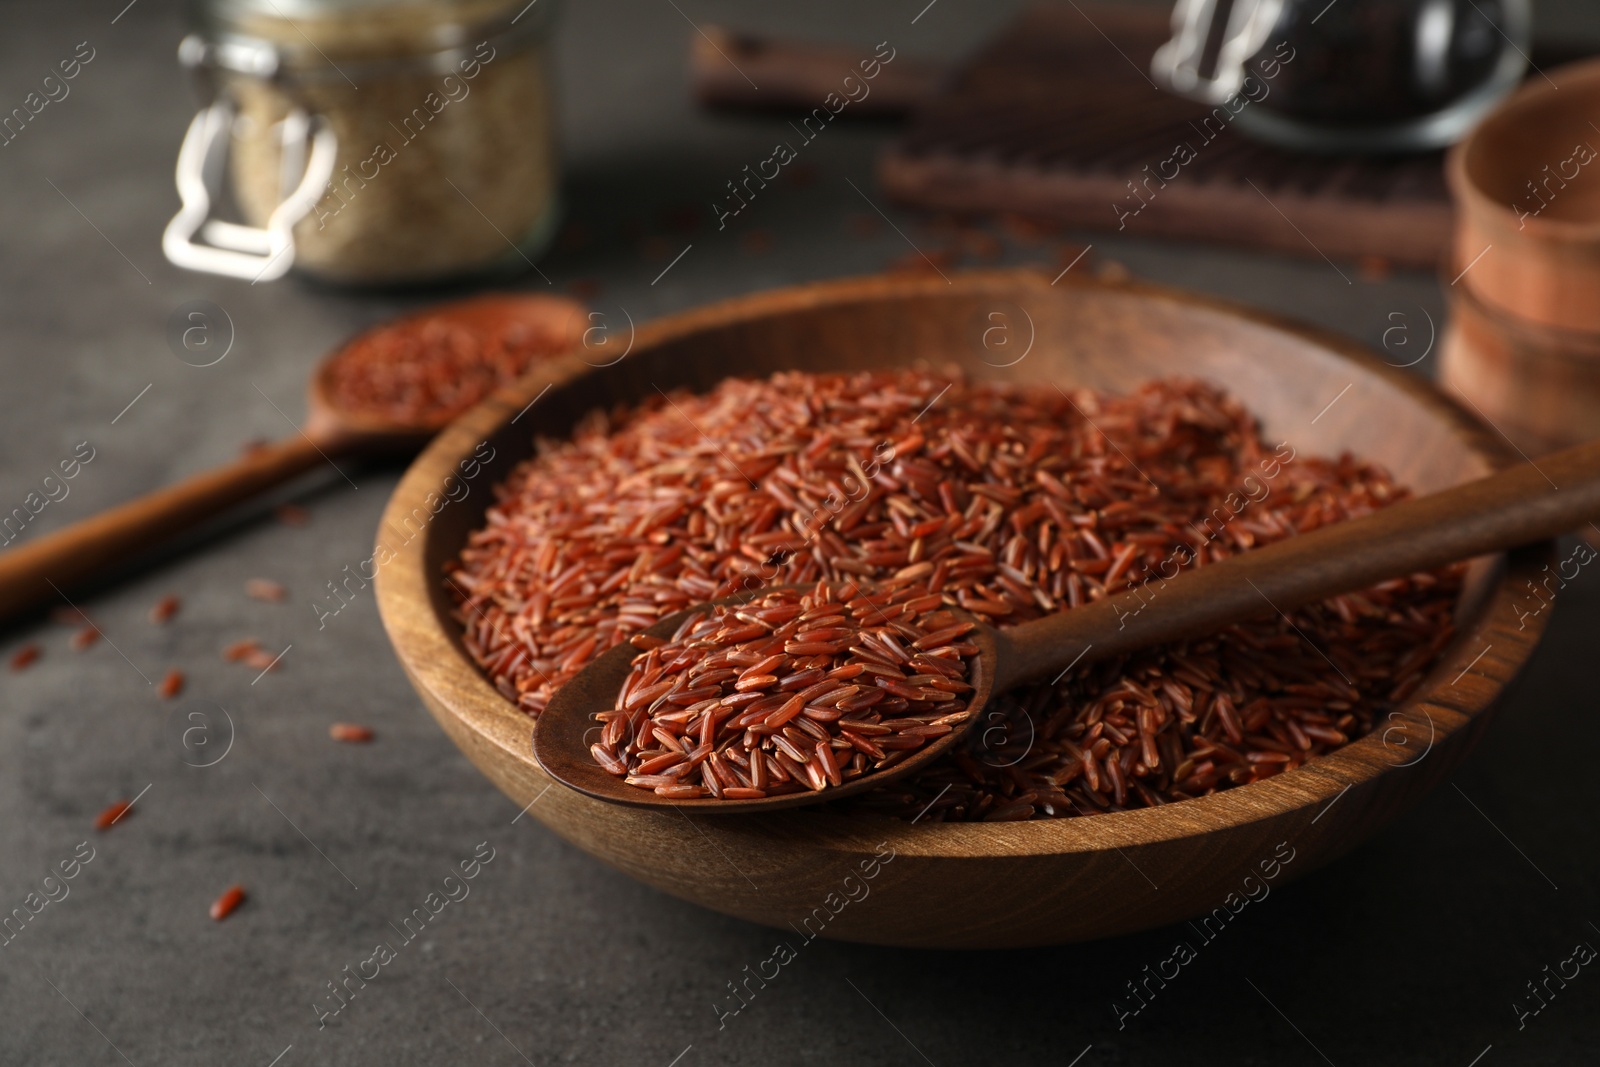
pixel 443 114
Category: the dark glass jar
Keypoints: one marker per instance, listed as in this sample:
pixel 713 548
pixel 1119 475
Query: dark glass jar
pixel 1348 75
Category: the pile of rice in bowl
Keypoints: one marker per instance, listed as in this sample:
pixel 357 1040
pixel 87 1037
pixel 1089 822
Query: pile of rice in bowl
pixel 1009 501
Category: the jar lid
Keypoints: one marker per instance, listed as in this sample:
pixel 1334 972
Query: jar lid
pixel 368 29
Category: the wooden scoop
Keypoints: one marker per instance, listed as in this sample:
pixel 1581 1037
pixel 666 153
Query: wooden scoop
pixel 47 567
pixel 1517 506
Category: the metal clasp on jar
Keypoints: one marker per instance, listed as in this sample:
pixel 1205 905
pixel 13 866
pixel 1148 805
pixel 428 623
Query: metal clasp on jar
pixel 309 149
pixel 1176 64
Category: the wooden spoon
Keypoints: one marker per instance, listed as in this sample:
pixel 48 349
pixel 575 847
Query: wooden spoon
pixel 48 567
pixel 1517 506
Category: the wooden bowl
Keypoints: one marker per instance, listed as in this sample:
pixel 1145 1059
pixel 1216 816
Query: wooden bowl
pixel 860 877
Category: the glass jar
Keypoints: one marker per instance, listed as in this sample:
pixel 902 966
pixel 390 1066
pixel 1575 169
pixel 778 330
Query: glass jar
pixel 368 142
pixel 1348 75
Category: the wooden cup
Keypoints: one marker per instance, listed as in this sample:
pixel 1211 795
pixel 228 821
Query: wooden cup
pixel 1527 187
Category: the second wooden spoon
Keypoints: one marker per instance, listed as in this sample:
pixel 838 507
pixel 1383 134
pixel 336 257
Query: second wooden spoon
pixel 64 561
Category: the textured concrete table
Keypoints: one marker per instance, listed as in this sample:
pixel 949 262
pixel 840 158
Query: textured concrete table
pixel 1411 951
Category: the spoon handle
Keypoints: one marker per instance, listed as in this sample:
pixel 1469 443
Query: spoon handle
pixel 1517 506
pixel 47 568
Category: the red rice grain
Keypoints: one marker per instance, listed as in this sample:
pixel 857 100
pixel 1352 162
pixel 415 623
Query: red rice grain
pixel 1008 500
pixel 113 813
pixel 224 905
pixel 165 608
pixel 259 659
pixel 349 731
pixel 24 657
pixel 265 589
pixel 172 684
pixel 85 637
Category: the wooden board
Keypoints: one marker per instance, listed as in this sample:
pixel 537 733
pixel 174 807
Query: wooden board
pixel 1057 116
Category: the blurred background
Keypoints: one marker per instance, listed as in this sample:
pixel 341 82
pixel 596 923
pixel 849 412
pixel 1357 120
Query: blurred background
pixel 1003 141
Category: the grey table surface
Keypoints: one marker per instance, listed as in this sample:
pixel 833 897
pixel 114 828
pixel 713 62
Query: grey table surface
pixel 1410 951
